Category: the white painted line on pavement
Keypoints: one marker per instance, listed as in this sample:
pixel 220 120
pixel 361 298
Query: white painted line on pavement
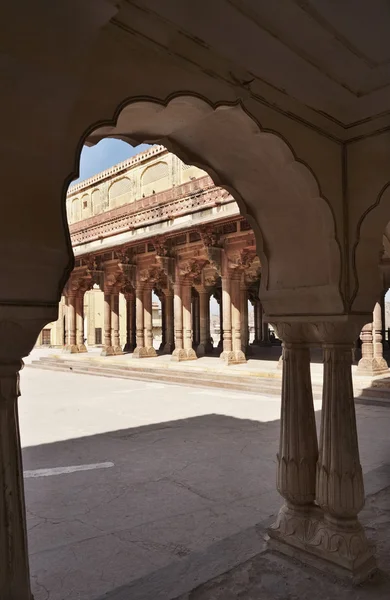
pixel 64 470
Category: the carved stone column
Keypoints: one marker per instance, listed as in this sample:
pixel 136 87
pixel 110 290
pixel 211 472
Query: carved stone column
pixel 340 490
pixel 186 290
pixel 378 338
pixel 19 329
pixel 71 346
pixel 129 347
pixel 226 329
pixel 80 322
pixel 372 362
pixel 331 533
pixel 195 321
pixel 148 321
pixel 178 353
pixel 169 335
pixel 14 571
pixel 258 319
pixel 244 317
pixel 239 356
pixel 298 447
pixel 204 331
pixel 115 323
pixel 140 350
pixel 108 349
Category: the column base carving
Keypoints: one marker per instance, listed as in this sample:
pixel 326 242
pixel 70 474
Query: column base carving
pixel 181 354
pixel 82 348
pixel 336 547
pixel 107 351
pixel 372 366
pixel 140 352
pixel 71 349
pixel 233 357
pixel 117 350
pixel 150 350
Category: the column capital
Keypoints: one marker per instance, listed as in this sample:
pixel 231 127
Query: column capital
pixel 19 329
pixel 335 329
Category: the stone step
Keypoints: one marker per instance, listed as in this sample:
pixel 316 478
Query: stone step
pixel 263 385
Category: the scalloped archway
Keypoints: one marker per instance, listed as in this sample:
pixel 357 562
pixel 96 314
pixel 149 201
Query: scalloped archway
pixel 279 195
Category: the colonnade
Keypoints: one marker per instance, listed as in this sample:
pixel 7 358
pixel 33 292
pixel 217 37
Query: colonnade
pixel 185 306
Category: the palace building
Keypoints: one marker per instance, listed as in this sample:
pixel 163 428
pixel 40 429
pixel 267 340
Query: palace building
pixel 153 224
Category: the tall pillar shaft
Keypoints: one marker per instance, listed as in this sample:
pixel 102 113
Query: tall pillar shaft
pixel 108 349
pixel 244 318
pixel 14 567
pixel 377 337
pixel 183 329
pixel 169 324
pixel 115 323
pixel 187 322
pixel 80 323
pixel 71 346
pixel 140 350
pixel 323 497
pixel 204 331
pixel 226 311
pixel 298 448
pixel 195 321
pixel 372 362
pixel 129 347
pixel 148 321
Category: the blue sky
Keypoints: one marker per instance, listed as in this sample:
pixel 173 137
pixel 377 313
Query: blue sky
pixel 104 155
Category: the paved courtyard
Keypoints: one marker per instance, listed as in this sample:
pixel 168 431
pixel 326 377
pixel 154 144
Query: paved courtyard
pixel 141 490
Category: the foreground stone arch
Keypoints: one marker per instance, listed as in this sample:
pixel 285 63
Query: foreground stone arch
pixel 277 193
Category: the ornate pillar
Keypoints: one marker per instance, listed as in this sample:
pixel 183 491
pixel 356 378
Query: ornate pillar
pixel 14 571
pixel 108 349
pixel 148 321
pixel 204 322
pixel 140 350
pixel 298 447
pixel 265 339
pixel 71 346
pixel 244 316
pixel 372 362
pixel 19 329
pixel 115 323
pixel 330 532
pixel 129 347
pixel 378 338
pixel 169 335
pixel 178 353
pixel 221 321
pixel 232 353
pixel 239 356
pixel 195 321
pixel 163 322
pixel 80 322
pixel 258 319
pixel 226 327
pixel 186 290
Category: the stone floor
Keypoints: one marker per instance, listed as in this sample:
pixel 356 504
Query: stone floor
pixel 272 577
pixel 178 488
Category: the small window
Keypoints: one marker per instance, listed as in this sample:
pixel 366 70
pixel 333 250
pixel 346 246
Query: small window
pixel 46 337
pixel 98 336
pixel 85 204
